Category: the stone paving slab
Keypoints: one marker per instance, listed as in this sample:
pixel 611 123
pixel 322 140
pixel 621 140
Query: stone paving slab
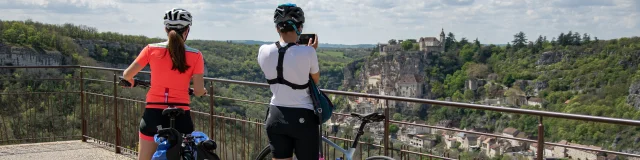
pixel 63 150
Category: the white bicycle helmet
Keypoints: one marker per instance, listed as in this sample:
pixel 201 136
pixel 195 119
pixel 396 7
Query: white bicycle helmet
pixel 177 18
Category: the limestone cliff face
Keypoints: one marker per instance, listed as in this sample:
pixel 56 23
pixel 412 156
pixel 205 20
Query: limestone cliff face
pixel 23 56
pixel 395 74
pixel 118 55
pixel 360 75
pixel 634 95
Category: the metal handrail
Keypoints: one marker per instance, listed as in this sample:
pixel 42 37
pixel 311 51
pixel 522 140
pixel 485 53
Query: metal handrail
pixel 541 114
pixel 404 99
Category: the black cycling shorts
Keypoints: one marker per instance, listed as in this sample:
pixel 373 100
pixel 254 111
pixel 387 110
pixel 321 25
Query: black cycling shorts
pixel 152 117
pixel 293 130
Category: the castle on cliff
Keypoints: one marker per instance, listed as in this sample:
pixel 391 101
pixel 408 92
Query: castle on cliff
pixel 427 44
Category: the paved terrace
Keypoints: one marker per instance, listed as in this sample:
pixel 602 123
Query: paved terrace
pixel 62 150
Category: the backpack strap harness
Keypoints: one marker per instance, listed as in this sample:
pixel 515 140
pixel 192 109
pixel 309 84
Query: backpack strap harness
pixel 280 78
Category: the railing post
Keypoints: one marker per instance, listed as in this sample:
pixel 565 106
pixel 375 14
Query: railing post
pixel 386 128
pixel 211 110
pixel 82 113
pixel 115 110
pixel 540 139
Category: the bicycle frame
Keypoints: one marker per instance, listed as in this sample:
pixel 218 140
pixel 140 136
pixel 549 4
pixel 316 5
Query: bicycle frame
pixel 348 153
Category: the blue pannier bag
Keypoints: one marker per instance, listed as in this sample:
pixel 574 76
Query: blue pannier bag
pixel 169 149
pixel 322 104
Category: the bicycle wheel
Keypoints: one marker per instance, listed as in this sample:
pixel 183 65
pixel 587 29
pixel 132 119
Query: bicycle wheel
pixel 188 156
pixel 265 154
pixel 379 158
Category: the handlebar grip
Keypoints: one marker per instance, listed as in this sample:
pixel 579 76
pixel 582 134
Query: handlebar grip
pixel 124 82
pixel 192 92
pixel 137 82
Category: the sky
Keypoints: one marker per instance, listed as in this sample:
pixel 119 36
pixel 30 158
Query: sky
pixel 347 21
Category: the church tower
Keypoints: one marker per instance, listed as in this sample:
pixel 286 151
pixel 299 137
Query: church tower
pixel 442 39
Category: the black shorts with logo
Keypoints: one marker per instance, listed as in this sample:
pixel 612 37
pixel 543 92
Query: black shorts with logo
pixel 293 130
pixel 152 117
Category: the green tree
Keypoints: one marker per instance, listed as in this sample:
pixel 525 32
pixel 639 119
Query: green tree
pixel 576 39
pixel 105 52
pixel 454 82
pixel 476 70
pixel 508 80
pixel 469 95
pixel 467 52
pixel 406 45
pixel 586 39
pixel 457 96
pixel 450 42
pixel 416 47
pixel 463 41
pixel 519 40
pixel 393 42
pixel 397 116
pixel 437 88
pixel 393 128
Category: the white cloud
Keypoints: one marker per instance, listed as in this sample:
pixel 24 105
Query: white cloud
pixel 347 21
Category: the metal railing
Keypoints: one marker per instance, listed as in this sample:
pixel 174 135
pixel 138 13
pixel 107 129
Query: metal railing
pixel 113 120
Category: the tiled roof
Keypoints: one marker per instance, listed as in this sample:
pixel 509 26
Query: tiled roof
pixel 428 39
pixel 510 131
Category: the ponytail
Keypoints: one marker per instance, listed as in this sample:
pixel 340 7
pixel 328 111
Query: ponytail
pixel 177 51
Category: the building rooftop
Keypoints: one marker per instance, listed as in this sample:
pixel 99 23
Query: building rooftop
pixel 510 131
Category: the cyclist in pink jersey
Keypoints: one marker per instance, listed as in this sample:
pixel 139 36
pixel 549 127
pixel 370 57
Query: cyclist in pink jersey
pixel 173 65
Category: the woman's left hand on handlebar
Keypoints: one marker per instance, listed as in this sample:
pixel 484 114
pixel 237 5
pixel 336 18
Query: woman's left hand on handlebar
pixel 131 82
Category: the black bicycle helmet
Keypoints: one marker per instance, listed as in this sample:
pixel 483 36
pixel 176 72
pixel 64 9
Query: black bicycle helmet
pixel 288 14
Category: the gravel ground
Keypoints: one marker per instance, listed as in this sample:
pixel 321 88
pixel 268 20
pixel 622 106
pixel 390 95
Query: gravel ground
pixel 64 150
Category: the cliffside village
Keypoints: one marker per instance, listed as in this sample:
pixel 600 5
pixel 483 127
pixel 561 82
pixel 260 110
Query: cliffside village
pixel 423 137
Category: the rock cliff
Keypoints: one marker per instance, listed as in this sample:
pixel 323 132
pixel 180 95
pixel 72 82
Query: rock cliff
pixel 107 54
pixel 634 95
pixel 397 74
pixel 24 56
pixel 550 58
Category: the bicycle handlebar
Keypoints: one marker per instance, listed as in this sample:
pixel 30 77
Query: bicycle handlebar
pixel 145 84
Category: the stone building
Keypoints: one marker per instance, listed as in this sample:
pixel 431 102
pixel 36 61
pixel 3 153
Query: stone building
pixel 409 86
pixel 432 44
pixel 427 44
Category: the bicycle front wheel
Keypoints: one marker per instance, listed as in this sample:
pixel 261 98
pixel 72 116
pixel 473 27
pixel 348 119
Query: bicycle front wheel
pixel 379 158
pixel 265 154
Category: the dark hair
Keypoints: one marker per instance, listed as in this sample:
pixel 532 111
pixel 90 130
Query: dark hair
pixel 177 50
pixel 286 27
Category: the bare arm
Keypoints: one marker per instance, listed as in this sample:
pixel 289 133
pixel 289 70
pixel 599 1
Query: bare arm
pixel 316 77
pixel 198 78
pixel 137 65
pixel 132 70
pixel 198 85
pixel 315 68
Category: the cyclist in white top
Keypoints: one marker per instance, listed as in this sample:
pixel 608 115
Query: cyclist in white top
pixel 291 124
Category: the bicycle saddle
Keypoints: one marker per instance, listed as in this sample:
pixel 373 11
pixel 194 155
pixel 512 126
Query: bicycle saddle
pixel 371 117
pixel 172 112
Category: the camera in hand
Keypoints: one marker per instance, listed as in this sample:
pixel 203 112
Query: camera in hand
pixel 304 38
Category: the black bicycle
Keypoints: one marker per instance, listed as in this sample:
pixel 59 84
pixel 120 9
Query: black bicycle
pixel 189 149
pixel 265 154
